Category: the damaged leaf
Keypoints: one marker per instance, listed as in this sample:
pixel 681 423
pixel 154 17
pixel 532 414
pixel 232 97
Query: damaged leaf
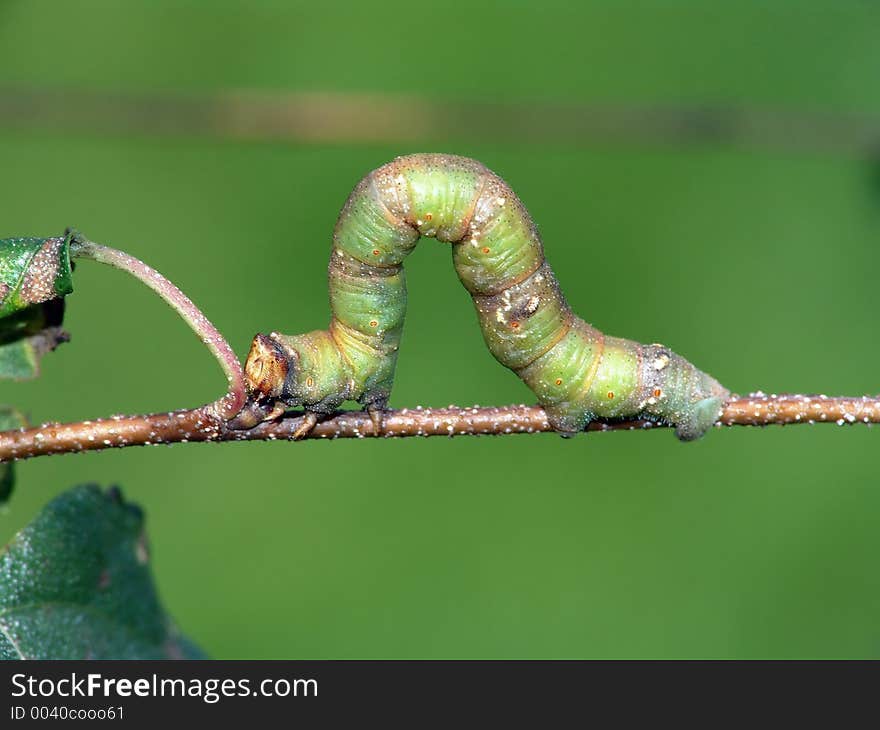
pixel 33 270
pixel 76 584
pixel 35 276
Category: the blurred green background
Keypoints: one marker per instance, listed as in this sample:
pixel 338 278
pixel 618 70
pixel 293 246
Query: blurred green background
pixel 742 233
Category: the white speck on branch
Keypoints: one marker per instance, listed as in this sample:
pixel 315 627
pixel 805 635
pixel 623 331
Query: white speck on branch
pixel 205 425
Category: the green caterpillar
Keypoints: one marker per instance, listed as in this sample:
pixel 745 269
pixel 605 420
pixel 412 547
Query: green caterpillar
pixel 577 373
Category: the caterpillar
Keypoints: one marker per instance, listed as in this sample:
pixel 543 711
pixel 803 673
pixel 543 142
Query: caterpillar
pixel 577 373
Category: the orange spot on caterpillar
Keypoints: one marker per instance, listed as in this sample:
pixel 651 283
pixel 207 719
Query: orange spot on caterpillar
pixel 428 216
pixel 376 252
pixel 558 381
pixel 310 382
pixel 373 323
pixel 610 395
pixel 515 325
pixel 485 249
pixel 657 392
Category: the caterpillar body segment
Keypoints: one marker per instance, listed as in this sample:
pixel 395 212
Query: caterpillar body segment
pixel 577 373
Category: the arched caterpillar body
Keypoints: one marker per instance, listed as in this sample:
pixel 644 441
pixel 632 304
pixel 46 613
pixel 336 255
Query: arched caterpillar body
pixel 577 373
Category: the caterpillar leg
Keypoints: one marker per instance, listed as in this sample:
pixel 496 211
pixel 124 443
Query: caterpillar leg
pixel 310 420
pixel 375 403
pixel 700 418
pixel 254 413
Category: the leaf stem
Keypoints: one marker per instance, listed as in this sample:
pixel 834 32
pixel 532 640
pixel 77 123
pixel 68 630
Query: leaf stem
pixel 231 403
pixel 201 424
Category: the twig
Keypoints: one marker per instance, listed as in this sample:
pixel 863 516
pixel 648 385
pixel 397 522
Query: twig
pixel 231 403
pixel 347 118
pixel 200 424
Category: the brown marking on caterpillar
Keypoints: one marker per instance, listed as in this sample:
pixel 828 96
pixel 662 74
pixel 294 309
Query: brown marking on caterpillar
pixel 486 204
pixel 610 395
pixel 494 196
pixel 388 214
pixel 526 309
pixel 558 381
pixel 403 184
pixel 469 214
pixel 335 324
pixel 389 190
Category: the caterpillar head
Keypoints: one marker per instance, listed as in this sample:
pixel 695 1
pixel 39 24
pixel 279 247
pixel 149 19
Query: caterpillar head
pixel 300 370
pixel 267 368
pixel 266 371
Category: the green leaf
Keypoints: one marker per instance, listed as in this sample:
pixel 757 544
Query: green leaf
pixel 27 335
pixel 9 418
pixel 35 276
pixel 76 584
pixel 34 270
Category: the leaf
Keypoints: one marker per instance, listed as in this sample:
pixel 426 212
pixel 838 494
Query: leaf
pixel 35 275
pixel 76 584
pixel 27 335
pixel 34 270
pixel 9 418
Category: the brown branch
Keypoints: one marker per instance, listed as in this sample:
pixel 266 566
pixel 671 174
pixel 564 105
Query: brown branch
pixel 203 424
pixel 230 404
pixel 347 118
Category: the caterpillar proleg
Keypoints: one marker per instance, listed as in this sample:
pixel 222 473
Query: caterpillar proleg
pixel 577 373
